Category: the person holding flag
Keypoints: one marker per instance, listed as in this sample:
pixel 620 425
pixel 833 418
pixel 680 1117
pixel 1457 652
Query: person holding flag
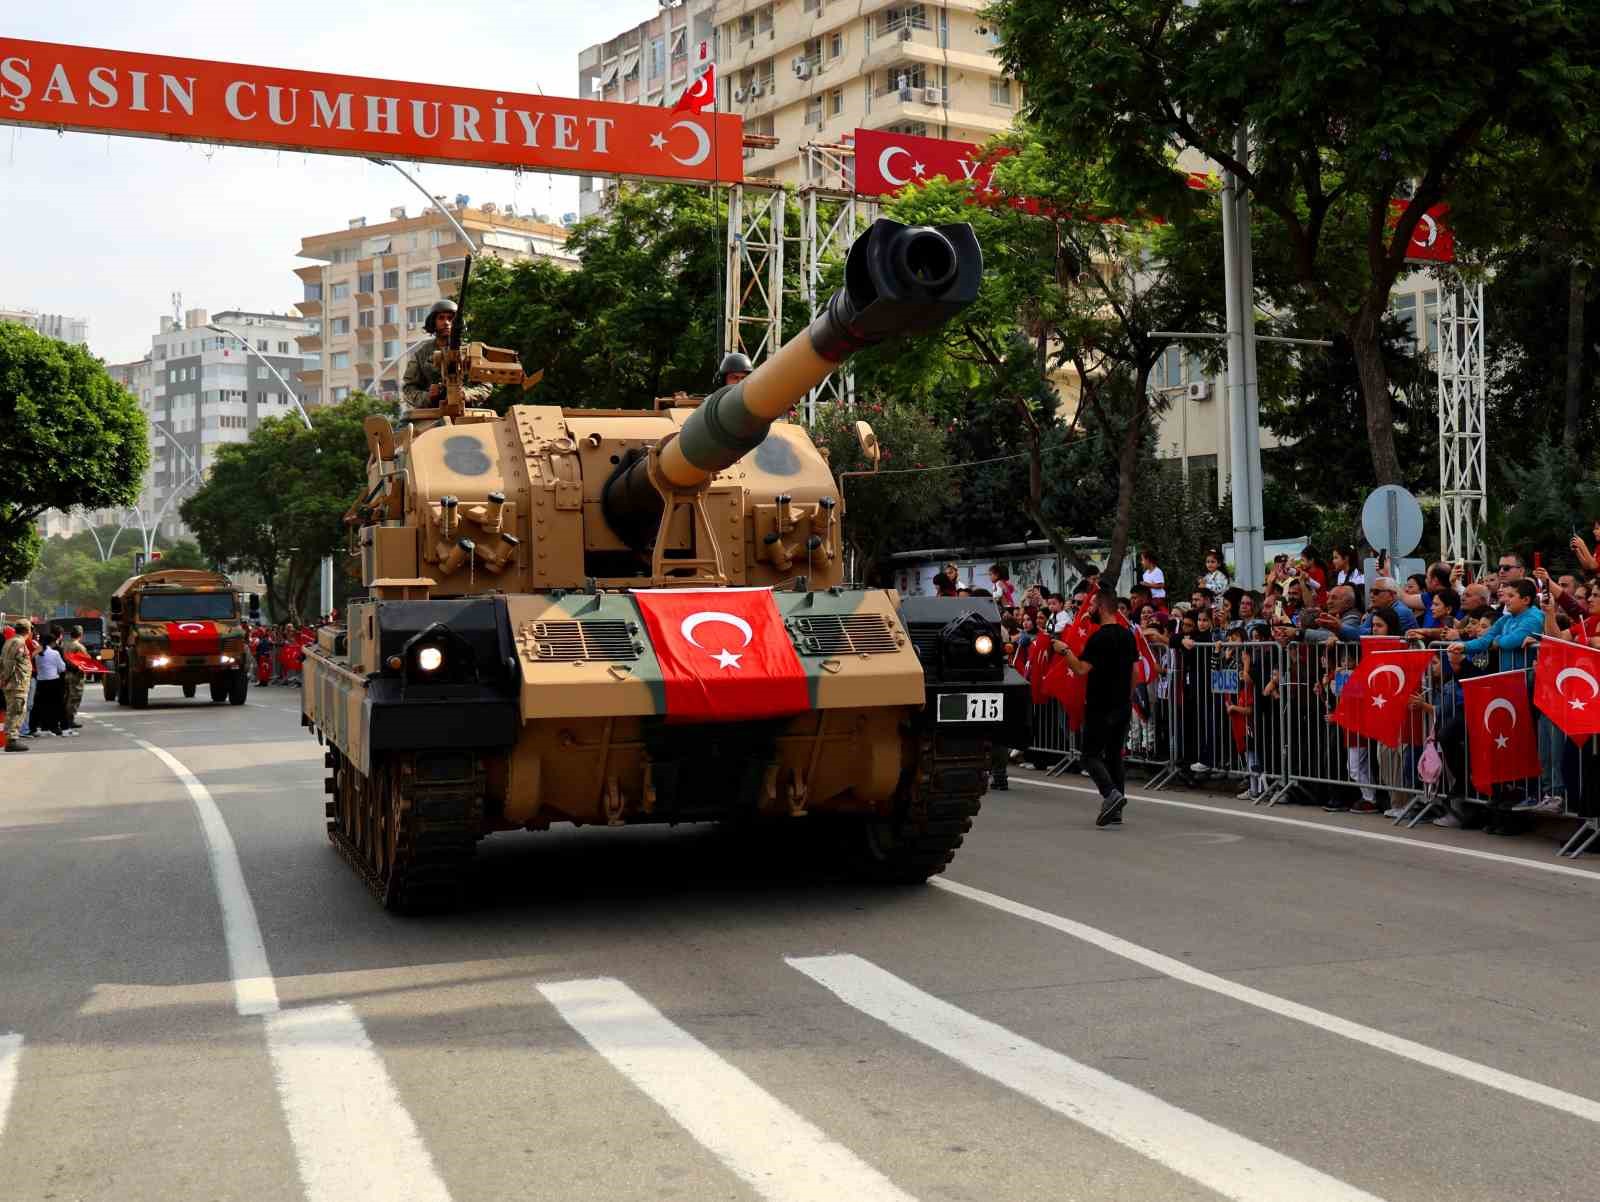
pixel 1107 662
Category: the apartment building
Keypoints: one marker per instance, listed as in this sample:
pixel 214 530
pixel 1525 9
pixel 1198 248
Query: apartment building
pixel 51 325
pixel 367 294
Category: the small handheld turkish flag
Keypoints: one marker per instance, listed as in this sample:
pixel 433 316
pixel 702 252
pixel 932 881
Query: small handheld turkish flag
pixel 1061 682
pixel 701 94
pixel 1380 642
pixel 724 654
pixel 1500 731
pixel 1378 694
pixel 1566 688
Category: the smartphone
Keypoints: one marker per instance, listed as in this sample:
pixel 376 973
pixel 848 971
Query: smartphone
pixel 1538 559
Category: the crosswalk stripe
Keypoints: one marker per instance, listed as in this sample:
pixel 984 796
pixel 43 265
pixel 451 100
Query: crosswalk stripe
pixel 1421 1053
pixel 10 1059
pixel 354 1140
pixel 780 1154
pixel 1219 1159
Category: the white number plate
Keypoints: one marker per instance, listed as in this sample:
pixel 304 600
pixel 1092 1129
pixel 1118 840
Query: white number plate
pixel 971 707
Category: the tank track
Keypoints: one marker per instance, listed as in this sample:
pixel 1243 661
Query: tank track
pixel 423 867
pixel 939 799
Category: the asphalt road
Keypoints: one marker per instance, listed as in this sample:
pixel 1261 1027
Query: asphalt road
pixel 199 1001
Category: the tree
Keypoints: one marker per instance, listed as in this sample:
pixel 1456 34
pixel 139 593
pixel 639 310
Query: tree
pixel 275 505
pixel 70 437
pixel 1347 107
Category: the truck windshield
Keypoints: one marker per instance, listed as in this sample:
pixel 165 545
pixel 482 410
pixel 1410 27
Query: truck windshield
pixel 181 607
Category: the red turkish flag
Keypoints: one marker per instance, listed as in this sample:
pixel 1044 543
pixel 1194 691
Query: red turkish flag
pixel 1375 700
pixel 887 162
pixel 724 654
pixel 1381 642
pixel 84 664
pixel 1432 241
pixel 701 94
pixel 1501 740
pixel 1060 682
pixel 193 638
pixel 1566 687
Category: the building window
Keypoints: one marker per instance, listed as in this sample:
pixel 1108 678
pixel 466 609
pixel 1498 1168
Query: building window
pixel 340 325
pixel 366 319
pixel 341 394
pixel 341 359
pixel 313 292
pixel 1000 91
pixel 814 111
pixel 836 44
pixel 658 58
pixel 261 371
pixel 836 101
pixel 421 277
pixel 1430 318
pixel 416 315
pixel 391 279
pixel 764 20
pixel 917 129
pixel 391 315
pixel 392 349
pixel 283 348
pixel 1202 463
pixel 450 270
pixel 341 291
pixel 437 237
pixel 344 254
pixel 364 282
pixel 261 344
pixel 908 79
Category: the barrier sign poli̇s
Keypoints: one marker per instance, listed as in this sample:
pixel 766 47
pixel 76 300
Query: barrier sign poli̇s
pixel 194 100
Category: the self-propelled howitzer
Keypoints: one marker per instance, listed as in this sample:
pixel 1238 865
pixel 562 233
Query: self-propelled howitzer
pixel 625 616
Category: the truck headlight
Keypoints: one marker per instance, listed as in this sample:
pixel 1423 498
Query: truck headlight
pixel 226 659
pixel 159 661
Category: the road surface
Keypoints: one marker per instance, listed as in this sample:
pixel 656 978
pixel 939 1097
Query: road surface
pixel 199 1001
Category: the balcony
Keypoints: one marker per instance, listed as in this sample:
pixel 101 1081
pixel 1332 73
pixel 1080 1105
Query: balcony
pixel 309 308
pixel 311 378
pixel 366 333
pixel 390 330
pixel 389 296
pixel 309 342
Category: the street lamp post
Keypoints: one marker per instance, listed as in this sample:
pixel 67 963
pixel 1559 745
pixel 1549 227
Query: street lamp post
pixel 327 560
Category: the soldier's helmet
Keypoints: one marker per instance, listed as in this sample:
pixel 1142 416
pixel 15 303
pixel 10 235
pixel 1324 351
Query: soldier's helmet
pixel 733 361
pixel 439 306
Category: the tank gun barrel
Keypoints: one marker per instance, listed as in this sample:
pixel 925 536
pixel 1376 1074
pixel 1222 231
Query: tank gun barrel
pixel 899 281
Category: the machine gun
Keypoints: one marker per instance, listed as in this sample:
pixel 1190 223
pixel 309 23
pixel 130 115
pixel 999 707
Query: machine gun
pixel 463 365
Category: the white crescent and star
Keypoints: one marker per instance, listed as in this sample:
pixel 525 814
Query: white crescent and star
pixel 1500 741
pixel 702 143
pixel 1425 239
pixel 884 160
pixel 1379 699
pixel 724 658
pixel 1582 674
pixel 196 627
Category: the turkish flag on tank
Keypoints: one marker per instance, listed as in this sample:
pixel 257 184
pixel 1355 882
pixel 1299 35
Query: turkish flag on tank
pixel 1500 732
pixel 1377 697
pixel 193 638
pixel 1566 687
pixel 724 653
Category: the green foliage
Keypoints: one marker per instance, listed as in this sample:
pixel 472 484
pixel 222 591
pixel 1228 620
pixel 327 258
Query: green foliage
pixel 71 572
pixel 885 509
pixel 1178 520
pixel 70 437
pixel 275 505
pixel 1547 502
pixel 641 317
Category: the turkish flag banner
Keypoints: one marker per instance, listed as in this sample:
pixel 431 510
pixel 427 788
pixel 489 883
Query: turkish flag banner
pixel 701 94
pixel 1501 742
pixel 1566 687
pixel 724 654
pixel 1376 698
pixel 193 638
pixel 1432 241
pixel 1061 683
pixel 887 162
pixel 86 665
pixel 1381 642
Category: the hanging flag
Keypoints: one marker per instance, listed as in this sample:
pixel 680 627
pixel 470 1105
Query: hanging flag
pixel 1375 700
pixel 1501 742
pixel 193 638
pixel 724 654
pixel 1566 687
pixel 700 95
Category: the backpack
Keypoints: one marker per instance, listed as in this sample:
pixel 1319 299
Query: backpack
pixel 1430 764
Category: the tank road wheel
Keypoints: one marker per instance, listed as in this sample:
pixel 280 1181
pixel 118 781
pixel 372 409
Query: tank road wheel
pixel 108 686
pixel 934 811
pixel 412 866
pixel 139 696
pixel 238 688
pixel 189 690
pixel 219 691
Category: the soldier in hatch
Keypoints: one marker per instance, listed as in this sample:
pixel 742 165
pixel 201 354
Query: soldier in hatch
pixel 734 367
pixel 422 387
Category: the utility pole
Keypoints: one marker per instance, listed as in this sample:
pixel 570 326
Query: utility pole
pixel 1244 405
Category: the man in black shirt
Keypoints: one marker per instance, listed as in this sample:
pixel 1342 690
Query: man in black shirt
pixel 1107 661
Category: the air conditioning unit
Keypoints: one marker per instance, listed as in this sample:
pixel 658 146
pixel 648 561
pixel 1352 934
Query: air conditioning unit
pixel 932 95
pixel 1200 390
pixel 905 33
pixel 802 69
pixel 756 89
pixel 739 95
pixel 797 62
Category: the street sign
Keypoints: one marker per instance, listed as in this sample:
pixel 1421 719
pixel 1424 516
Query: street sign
pixel 1392 520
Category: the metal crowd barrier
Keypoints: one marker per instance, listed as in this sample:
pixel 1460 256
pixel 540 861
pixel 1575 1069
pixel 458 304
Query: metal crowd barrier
pixel 1261 713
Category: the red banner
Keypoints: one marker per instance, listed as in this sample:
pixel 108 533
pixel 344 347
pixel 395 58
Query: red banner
pixel 193 638
pixel 150 95
pixel 724 654
pixel 1432 241
pixel 1380 642
pixel 1376 699
pixel 1060 682
pixel 85 665
pixel 1566 687
pixel 887 162
pixel 1500 729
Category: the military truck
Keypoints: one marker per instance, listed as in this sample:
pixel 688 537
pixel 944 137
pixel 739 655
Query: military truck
pixel 178 626
pixel 614 617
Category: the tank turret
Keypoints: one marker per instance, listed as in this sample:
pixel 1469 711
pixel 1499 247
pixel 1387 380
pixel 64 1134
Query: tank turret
pixel 899 280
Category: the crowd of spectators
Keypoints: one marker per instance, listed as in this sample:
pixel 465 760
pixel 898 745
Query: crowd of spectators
pixel 1317 608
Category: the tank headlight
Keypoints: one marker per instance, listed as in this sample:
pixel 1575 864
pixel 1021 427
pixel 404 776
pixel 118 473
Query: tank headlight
pixel 983 645
pixel 430 659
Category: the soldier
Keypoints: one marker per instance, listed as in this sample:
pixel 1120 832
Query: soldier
pixel 73 645
pixel 422 387
pixel 735 367
pixel 16 671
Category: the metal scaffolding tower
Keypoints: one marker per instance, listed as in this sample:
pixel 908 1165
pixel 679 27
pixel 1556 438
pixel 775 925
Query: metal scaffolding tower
pixel 831 217
pixel 753 304
pixel 1463 452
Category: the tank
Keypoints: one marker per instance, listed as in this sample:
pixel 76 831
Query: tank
pixel 177 627
pixel 616 617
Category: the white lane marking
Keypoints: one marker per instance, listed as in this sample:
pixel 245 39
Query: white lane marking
pixel 1217 1158
pixel 779 1154
pixel 1330 829
pixel 353 1137
pixel 254 991
pixel 1470 1070
pixel 10 1059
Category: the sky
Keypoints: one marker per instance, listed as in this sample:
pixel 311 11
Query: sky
pixel 108 228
